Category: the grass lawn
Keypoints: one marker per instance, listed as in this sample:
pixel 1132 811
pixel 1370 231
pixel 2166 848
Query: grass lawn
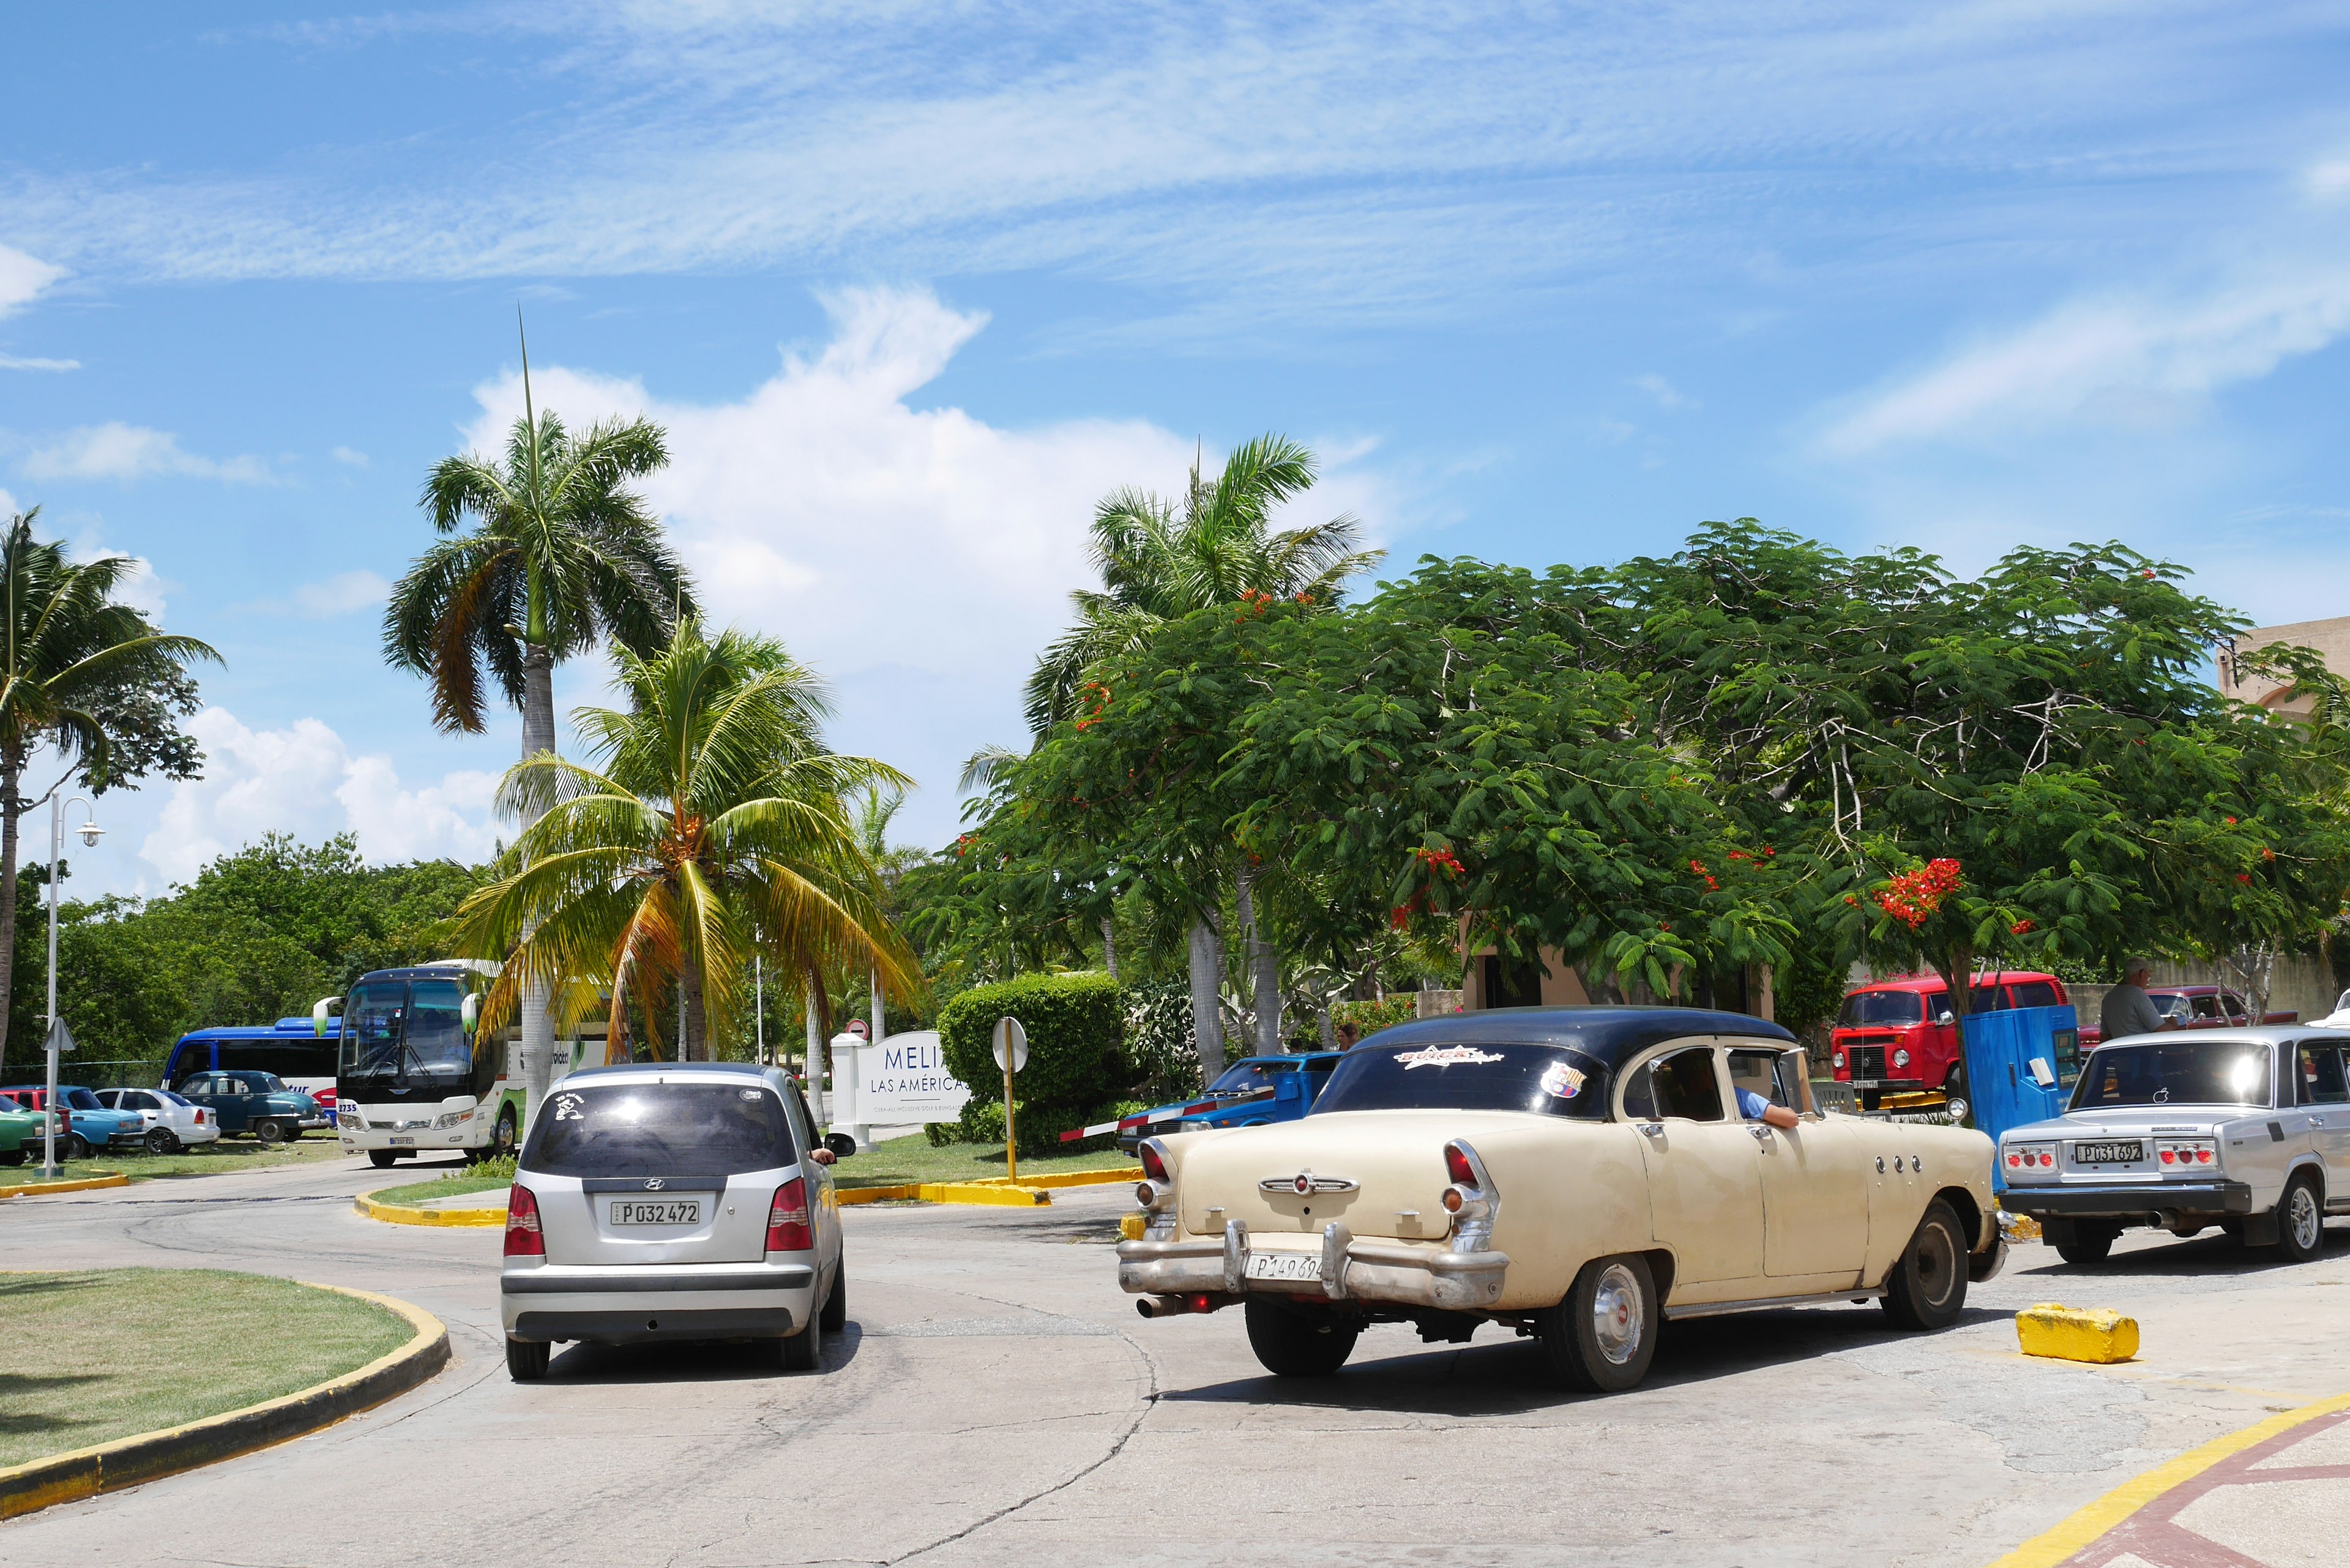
pixel 907 1159
pixel 211 1158
pixel 451 1186
pixel 114 1352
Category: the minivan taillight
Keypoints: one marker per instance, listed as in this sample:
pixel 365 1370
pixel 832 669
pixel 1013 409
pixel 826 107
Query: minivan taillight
pixel 788 1219
pixel 523 1237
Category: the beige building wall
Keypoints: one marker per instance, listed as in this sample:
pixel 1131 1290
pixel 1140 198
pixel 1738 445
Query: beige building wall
pixel 2329 638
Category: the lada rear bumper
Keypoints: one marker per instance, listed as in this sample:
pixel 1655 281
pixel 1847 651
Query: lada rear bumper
pixel 1388 1273
pixel 2127 1200
pixel 635 1305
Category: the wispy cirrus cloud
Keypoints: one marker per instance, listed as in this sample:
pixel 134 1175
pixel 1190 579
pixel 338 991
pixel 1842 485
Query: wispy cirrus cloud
pixel 22 277
pixel 340 595
pixel 115 451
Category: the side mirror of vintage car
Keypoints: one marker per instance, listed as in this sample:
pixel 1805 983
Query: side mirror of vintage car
pixel 840 1144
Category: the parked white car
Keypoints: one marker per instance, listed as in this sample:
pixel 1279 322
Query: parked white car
pixel 168 1123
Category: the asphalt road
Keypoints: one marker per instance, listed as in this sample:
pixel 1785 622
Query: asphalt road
pixel 996 1400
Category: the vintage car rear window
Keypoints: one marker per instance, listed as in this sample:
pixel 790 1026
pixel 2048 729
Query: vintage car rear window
pixel 2181 1073
pixel 660 1129
pixel 1548 1080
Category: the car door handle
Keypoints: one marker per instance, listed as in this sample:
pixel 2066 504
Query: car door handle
pixel 1762 1134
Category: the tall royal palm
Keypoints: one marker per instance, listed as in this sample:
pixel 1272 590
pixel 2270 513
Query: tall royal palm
pixel 1160 559
pixel 542 555
pixel 711 827
pixel 75 664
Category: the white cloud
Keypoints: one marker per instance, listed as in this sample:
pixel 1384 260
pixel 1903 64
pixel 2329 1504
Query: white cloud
pixel 304 780
pixel 344 454
pixel 121 452
pixel 340 595
pixel 925 551
pixel 2144 359
pixel 18 362
pixel 1662 390
pixel 22 277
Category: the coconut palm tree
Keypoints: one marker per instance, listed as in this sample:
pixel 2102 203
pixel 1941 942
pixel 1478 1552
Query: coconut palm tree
pixel 1162 558
pixel 711 826
pixel 560 554
pixel 85 675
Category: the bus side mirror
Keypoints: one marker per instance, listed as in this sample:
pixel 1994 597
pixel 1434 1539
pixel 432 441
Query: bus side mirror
pixel 469 1012
pixel 318 1019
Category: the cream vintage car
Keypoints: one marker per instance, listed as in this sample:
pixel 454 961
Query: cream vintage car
pixel 1578 1174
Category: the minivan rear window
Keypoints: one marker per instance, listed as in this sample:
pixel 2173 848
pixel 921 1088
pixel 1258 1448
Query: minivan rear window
pixel 654 1128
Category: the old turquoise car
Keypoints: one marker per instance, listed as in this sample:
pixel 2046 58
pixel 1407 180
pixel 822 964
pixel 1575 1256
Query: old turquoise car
pixel 20 1134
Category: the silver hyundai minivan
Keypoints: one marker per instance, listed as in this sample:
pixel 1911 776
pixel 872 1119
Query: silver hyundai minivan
pixel 673 1201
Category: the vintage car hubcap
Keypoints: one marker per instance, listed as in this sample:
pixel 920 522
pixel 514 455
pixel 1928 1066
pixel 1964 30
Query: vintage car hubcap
pixel 1937 1263
pixel 2304 1218
pixel 1616 1317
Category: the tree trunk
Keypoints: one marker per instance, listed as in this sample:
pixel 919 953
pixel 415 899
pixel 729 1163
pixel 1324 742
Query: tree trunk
pixel 1207 1022
pixel 537 735
pixel 1263 968
pixel 1109 946
pixel 1323 1027
pixel 12 772
pixel 815 1063
pixel 693 1034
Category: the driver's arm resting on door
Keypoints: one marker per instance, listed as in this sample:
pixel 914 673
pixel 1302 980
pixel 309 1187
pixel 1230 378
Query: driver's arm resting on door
pixel 1755 1108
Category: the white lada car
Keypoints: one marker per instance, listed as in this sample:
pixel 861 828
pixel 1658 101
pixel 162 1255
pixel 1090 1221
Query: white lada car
pixel 1576 1174
pixel 2248 1129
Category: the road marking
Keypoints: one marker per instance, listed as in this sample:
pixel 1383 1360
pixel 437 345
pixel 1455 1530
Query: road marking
pixel 2091 1523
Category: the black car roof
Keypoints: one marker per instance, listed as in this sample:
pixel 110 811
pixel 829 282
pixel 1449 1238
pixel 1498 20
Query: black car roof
pixel 1611 1034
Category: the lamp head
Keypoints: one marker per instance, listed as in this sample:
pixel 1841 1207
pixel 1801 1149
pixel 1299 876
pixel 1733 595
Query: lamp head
pixel 90 832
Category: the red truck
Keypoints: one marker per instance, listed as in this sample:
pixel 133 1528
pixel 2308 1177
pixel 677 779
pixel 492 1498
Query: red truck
pixel 1899 1036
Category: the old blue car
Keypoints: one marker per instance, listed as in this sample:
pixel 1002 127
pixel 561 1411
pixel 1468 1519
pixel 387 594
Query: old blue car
pixel 89 1126
pixel 1252 1091
pixel 251 1101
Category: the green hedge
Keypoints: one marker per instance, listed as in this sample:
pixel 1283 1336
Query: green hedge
pixel 1076 1041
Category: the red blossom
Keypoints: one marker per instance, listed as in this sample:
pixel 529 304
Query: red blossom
pixel 2243 875
pixel 2020 928
pixel 1914 896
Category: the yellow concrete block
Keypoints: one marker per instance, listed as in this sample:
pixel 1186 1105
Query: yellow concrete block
pixel 1130 1227
pixel 2069 1333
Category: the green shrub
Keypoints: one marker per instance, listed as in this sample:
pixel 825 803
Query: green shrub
pixel 1040 1126
pixel 1076 1041
pixel 1370 1017
pixel 1160 1042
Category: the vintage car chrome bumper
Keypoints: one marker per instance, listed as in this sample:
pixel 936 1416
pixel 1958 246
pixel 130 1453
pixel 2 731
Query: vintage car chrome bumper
pixel 2117 1199
pixel 1388 1272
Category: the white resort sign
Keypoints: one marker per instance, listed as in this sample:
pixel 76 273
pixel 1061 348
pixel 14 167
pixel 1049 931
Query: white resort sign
pixel 904 1079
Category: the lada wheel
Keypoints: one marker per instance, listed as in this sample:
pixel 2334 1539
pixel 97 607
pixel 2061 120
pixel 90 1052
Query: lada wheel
pixel 2090 1243
pixel 2300 1221
pixel 1928 1288
pixel 1601 1338
pixel 76 1147
pixel 804 1351
pixel 1291 1343
pixel 835 1315
pixel 526 1359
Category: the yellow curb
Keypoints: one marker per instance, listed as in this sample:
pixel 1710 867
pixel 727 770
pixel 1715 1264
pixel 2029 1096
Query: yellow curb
pixel 972 1192
pixel 83 1184
pixel 1072 1178
pixel 2048 1549
pixel 401 1214
pixel 151 1456
pixel 2075 1333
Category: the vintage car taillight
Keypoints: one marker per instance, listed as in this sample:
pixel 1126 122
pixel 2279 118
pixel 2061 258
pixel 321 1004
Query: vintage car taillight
pixel 1154 1164
pixel 524 1239
pixel 788 1219
pixel 1457 1167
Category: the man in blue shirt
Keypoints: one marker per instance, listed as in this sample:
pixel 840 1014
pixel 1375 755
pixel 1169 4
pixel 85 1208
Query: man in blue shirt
pixel 1755 1108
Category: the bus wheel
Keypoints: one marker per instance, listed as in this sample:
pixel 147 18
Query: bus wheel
pixel 382 1159
pixel 504 1139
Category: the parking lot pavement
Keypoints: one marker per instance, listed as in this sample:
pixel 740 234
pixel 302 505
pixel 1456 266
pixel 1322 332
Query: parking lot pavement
pixel 996 1400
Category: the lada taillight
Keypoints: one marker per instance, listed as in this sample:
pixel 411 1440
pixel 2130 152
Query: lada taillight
pixel 524 1239
pixel 2032 1157
pixel 788 1219
pixel 2177 1153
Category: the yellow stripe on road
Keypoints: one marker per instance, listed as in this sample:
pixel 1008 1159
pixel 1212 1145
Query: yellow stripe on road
pixel 2117 1505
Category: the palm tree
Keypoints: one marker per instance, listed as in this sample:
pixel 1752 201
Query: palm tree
pixel 1160 559
pixel 74 664
pixel 711 827
pixel 561 554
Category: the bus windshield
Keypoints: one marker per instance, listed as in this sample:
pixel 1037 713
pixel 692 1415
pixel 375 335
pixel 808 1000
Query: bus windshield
pixel 395 1030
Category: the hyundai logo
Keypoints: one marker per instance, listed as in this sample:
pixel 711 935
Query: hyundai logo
pixel 654 1184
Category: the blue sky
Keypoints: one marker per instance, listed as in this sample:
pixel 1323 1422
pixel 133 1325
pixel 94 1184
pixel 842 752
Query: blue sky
pixel 913 285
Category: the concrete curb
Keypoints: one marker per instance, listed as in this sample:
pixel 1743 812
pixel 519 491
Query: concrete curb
pixel 1073 1179
pixel 83 1184
pixel 972 1192
pixel 151 1456
pixel 401 1214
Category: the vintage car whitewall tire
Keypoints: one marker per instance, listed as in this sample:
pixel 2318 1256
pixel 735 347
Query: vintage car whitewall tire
pixel 1601 1338
pixel 1927 1286
pixel 1293 1344
pixel 2301 1219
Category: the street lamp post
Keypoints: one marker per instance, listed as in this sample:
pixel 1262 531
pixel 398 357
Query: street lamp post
pixel 89 831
